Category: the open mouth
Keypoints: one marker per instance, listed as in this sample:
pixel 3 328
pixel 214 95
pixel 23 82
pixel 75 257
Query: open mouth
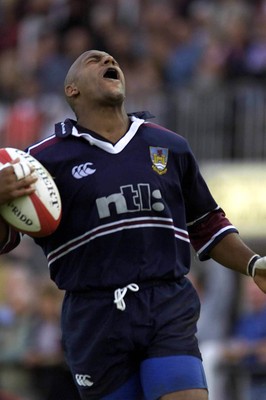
pixel 111 73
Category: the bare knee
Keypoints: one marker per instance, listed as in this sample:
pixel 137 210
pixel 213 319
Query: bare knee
pixel 193 394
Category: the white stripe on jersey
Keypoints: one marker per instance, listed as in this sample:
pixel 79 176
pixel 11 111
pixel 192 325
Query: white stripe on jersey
pixel 226 228
pixel 107 229
pixel 41 142
pixel 201 217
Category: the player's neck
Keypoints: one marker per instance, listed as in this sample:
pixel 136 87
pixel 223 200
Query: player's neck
pixel 109 123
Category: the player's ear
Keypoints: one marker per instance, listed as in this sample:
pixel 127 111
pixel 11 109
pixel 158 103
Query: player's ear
pixel 71 90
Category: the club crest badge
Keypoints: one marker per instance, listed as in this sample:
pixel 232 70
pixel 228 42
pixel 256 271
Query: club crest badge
pixel 159 158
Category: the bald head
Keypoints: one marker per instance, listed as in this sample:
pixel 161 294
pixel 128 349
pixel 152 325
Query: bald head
pixel 73 70
pixel 87 83
pixel 71 79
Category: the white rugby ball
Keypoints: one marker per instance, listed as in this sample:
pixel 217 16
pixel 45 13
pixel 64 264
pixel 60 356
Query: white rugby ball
pixel 39 213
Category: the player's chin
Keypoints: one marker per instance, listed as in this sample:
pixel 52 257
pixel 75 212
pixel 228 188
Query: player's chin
pixel 116 98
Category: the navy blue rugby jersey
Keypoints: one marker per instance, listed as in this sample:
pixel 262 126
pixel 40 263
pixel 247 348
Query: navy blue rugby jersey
pixel 129 210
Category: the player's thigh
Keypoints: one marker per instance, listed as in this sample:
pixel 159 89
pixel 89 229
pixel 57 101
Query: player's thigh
pixel 194 394
pixel 130 390
pixel 173 376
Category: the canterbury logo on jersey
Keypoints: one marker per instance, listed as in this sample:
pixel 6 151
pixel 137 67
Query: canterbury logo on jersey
pixel 83 380
pixel 83 170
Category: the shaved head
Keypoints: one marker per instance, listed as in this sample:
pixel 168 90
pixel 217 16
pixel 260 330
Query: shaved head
pixel 73 70
pixel 85 82
pixel 71 77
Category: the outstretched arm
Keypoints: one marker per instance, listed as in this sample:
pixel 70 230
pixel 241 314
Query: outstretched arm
pixel 233 253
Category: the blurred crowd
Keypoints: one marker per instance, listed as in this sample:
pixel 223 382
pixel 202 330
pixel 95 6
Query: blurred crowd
pixel 161 45
pixel 32 365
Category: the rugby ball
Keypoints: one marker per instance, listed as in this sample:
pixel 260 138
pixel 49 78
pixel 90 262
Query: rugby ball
pixel 39 213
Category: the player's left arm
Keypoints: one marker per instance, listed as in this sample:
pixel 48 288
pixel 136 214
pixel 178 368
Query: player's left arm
pixel 233 253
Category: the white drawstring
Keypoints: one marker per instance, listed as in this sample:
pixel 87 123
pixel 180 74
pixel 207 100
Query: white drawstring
pixel 120 293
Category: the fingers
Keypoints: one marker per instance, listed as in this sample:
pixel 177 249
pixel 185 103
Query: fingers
pixel 25 185
pixel 260 280
pixel 16 182
pixel 259 265
pixel 21 168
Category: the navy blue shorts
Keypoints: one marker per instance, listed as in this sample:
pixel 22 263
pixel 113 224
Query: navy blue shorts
pixel 109 350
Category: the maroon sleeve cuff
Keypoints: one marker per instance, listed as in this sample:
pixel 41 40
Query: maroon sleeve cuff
pixel 206 232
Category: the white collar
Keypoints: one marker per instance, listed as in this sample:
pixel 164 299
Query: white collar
pixel 107 146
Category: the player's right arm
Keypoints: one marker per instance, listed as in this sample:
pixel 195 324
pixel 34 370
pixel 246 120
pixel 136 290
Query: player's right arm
pixel 10 188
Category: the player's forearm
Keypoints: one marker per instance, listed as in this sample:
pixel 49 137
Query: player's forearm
pixel 232 253
pixel 3 232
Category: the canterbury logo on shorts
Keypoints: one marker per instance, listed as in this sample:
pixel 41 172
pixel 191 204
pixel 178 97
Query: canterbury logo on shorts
pixel 83 380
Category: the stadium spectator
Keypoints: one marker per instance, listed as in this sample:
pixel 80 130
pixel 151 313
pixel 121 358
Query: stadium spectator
pixel 245 350
pixel 16 324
